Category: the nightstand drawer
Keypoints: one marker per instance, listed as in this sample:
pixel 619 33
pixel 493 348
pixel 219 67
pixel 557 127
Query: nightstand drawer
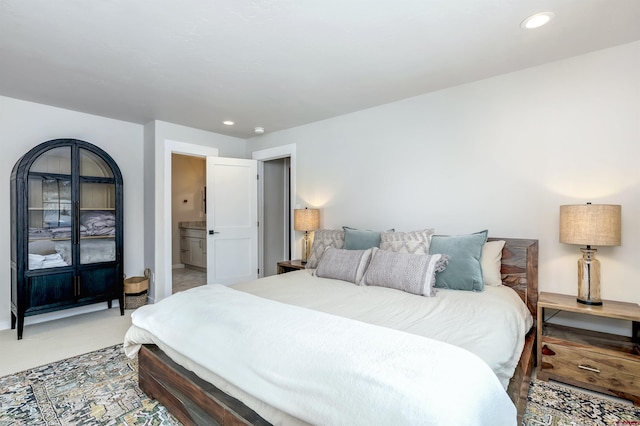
pixel 583 364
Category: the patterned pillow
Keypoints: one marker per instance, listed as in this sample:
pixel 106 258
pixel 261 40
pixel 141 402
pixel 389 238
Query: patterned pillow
pixel 415 242
pixel 323 238
pixel 413 273
pixel 345 265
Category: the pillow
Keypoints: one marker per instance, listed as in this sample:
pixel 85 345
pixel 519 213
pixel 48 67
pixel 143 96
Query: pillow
pixel 357 239
pixel 416 242
pixel 463 271
pixel 491 261
pixel 323 238
pixel 345 265
pixel 413 273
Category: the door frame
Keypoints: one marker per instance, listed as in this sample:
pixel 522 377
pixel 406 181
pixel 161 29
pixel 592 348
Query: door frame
pixel 174 147
pixel 261 156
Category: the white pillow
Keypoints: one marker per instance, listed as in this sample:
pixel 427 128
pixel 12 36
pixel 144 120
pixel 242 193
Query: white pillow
pixel 490 262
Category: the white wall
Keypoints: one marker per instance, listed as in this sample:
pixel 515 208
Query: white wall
pixel 24 125
pixel 500 154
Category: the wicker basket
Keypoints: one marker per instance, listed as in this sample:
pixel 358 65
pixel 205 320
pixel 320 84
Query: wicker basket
pixel 134 301
pixel 135 290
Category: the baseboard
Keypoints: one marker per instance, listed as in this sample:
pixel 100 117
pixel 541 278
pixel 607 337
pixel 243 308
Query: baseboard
pixel 65 313
pixel 178 266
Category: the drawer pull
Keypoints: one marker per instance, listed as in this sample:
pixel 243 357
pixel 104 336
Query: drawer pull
pixel 547 351
pixel 585 367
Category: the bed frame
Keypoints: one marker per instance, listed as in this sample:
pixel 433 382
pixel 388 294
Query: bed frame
pixel 194 401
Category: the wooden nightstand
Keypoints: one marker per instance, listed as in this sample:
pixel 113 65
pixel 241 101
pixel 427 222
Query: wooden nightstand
pixel 602 362
pixel 290 265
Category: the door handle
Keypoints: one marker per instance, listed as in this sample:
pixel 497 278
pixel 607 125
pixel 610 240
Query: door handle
pixel 211 232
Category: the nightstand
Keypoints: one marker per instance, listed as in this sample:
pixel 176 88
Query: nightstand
pixel 602 362
pixel 290 265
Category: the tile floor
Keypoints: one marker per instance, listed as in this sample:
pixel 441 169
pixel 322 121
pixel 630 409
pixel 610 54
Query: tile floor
pixel 186 278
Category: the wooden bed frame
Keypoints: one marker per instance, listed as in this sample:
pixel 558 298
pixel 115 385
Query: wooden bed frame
pixel 196 402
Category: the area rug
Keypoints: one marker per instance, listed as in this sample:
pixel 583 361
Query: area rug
pixel 98 388
pixel 553 404
pixel 101 388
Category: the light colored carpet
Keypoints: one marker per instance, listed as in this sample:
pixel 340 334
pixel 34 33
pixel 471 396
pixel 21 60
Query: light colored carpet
pixel 54 340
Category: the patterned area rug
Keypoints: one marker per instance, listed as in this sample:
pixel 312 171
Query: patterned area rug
pixel 101 388
pixel 98 388
pixel 552 404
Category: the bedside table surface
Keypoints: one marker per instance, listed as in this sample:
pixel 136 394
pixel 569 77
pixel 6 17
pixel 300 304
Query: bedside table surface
pixel 294 263
pixel 608 309
pixel 290 266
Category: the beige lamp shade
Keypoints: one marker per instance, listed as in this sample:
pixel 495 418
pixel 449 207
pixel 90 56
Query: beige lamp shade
pixel 590 224
pixel 306 219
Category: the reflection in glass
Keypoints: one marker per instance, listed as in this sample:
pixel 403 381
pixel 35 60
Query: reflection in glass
pixel 56 160
pixel 92 165
pixel 95 250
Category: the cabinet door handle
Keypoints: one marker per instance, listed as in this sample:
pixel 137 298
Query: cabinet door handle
pixel 547 351
pixel 76 223
pixel 586 367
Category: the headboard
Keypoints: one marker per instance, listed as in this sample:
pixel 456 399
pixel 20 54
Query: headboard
pixel 520 269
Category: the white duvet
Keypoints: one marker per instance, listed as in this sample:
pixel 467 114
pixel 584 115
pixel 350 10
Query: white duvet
pixel 492 324
pixel 320 368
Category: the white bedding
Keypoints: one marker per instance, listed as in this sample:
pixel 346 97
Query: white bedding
pixel 367 375
pixel 492 324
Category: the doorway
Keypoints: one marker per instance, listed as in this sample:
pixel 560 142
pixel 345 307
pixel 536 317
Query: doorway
pixel 276 213
pixel 276 200
pixel 188 222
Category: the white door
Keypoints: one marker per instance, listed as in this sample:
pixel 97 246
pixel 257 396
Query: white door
pixel 232 220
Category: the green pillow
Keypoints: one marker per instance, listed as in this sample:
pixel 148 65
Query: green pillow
pixel 357 239
pixel 463 271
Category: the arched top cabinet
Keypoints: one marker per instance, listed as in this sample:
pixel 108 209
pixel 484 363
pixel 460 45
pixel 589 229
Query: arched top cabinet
pixel 66 229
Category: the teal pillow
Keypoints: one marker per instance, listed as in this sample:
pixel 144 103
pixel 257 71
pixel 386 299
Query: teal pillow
pixel 464 271
pixel 357 239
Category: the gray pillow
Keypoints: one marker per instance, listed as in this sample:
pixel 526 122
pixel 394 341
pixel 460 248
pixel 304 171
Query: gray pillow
pixel 323 238
pixel 416 242
pixel 345 265
pixel 413 273
pixel 463 271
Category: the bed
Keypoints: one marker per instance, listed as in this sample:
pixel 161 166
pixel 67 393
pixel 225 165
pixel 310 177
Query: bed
pixel 198 396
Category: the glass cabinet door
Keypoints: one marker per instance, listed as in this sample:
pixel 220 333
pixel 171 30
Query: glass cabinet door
pixel 50 210
pixel 97 219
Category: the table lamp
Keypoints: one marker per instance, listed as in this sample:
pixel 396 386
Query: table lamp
pixel 306 220
pixel 590 224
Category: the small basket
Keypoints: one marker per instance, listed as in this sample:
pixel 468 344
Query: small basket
pixel 135 290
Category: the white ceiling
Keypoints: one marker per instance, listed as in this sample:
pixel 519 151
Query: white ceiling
pixel 279 63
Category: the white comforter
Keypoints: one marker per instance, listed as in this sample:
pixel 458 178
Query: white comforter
pixel 492 324
pixel 322 368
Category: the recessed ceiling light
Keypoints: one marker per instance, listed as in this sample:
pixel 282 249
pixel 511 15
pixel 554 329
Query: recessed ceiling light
pixel 228 123
pixel 259 130
pixel 537 20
